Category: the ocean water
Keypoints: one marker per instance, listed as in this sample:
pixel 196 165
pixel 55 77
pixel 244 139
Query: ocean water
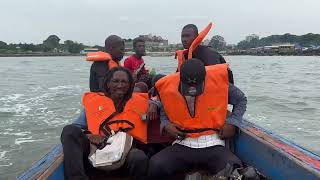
pixel 40 95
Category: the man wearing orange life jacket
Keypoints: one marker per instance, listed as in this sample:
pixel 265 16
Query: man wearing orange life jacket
pixel 117 108
pixel 194 111
pixel 104 61
pixel 204 53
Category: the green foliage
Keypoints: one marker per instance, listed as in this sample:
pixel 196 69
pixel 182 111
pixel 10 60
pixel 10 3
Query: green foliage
pixel 251 41
pixel 306 40
pixel 3 45
pixel 244 45
pixel 218 43
pixel 73 47
pixel 51 43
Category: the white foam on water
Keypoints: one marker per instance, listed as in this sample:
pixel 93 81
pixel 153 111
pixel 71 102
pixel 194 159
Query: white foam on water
pixel 4 159
pixel 11 97
pixel 17 109
pixel 14 103
pixel 16 133
pixel 64 87
pixel 6 165
pixel 19 141
pixel 6 110
pixel 21 109
pixel 36 88
pixel 2 155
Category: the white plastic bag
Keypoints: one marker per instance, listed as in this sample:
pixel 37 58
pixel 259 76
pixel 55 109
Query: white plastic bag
pixel 113 155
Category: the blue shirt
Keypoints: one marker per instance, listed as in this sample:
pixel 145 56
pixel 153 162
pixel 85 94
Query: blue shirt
pixel 81 121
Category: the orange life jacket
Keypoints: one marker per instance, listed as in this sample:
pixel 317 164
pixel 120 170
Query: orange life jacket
pixel 196 42
pixel 99 107
pixel 102 56
pixel 210 106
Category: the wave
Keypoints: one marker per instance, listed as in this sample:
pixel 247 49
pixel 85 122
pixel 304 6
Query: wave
pixel 16 133
pixel 64 87
pixel 29 139
pixel 6 165
pixel 308 110
pixel 299 82
pixel 12 97
pixel 2 155
pixel 16 110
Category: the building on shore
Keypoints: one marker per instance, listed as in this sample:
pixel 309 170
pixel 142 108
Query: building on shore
pixel 271 49
pixel 286 49
pixel 153 43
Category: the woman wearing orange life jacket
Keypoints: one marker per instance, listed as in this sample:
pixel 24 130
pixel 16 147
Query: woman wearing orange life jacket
pixel 104 61
pixel 193 111
pixel 118 108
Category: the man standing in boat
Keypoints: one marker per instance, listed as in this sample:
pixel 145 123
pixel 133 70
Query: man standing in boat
pixel 197 120
pixel 104 61
pixel 135 62
pixel 191 40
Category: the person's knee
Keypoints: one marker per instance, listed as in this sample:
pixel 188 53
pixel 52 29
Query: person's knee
pixel 137 156
pixel 157 167
pixel 70 131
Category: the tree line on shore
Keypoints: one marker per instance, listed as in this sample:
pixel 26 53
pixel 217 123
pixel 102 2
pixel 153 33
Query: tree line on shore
pixel 253 41
pixel 52 44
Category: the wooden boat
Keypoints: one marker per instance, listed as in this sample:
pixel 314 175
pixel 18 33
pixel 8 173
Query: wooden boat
pixel 273 156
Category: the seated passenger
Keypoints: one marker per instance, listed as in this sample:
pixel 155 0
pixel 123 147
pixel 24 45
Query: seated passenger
pixel 117 102
pixel 193 111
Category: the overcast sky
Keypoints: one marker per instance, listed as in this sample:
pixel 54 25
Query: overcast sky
pixel 91 21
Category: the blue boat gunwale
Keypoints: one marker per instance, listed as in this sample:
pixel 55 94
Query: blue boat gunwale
pixel 273 140
pixel 44 168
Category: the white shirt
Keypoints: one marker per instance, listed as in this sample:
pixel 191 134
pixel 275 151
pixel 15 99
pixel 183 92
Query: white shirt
pixel 202 141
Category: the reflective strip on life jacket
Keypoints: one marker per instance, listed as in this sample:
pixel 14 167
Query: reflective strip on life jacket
pixel 210 106
pixel 99 107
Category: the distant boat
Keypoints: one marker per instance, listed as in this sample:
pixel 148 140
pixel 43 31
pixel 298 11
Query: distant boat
pixel 273 156
pixel 86 50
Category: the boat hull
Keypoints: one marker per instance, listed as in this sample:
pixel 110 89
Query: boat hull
pixel 273 156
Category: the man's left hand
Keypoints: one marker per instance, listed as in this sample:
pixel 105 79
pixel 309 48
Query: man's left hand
pixel 227 131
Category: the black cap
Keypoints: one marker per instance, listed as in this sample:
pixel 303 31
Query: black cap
pixel 192 76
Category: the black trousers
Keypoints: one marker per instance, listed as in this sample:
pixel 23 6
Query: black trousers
pixel 179 159
pixel 76 148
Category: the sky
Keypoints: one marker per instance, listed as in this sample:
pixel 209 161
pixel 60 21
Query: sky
pixel 91 21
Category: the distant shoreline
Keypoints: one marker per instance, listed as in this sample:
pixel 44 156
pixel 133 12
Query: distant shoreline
pixel 151 54
pixel 38 55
